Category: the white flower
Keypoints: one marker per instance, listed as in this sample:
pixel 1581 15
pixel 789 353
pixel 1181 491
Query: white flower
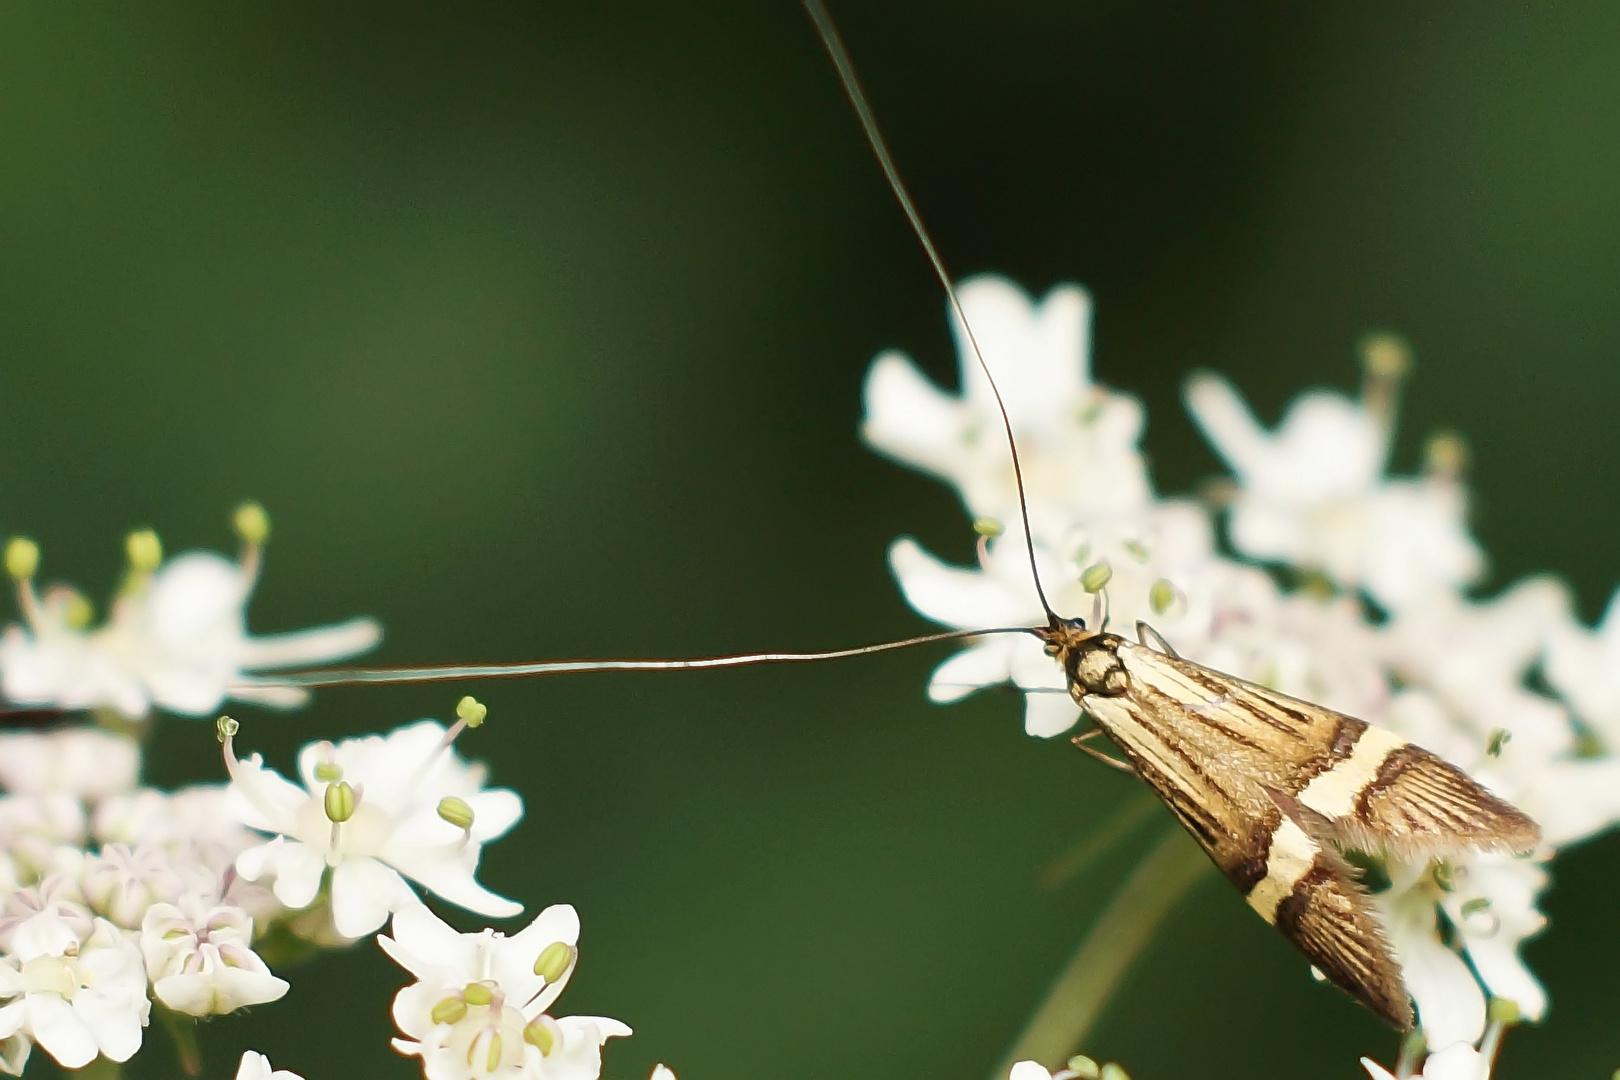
pixel 370 810
pixel 75 997
pixel 1029 1070
pixel 1314 494
pixel 176 639
pixel 1078 440
pixel 1459 1061
pixel 255 1066
pixel 122 883
pixel 662 1072
pixel 1584 666
pixel 80 761
pixel 199 958
pixel 480 1005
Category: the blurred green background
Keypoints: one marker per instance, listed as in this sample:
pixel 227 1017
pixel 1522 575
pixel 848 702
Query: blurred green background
pixel 540 331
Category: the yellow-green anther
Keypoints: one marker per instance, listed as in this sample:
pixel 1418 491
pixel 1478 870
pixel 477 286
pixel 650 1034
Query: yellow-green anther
pixel 554 961
pixel 1475 906
pixel 22 558
pixel 251 522
pixel 1385 356
pixel 1161 595
pixel 339 802
pixel 988 527
pixel 1499 738
pixel 1445 453
pixel 1095 576
pixel 1136 550
pixel 79 612
pixel 538 1034
pixel 478 994
pixel 1082 1067
pixel 449 1011
pixel 1082 555
pixel 1445 875
pixel 456 812
pixel 471 711
pixel 226 728
pixel 1114 1071
pixel 1503 1011
pixel 328 772
pixel 493 1060
pixel 145 551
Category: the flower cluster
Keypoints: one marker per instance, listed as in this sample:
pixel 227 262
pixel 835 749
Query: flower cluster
pixel 1346 586
pixel 119 900
pixel 175 637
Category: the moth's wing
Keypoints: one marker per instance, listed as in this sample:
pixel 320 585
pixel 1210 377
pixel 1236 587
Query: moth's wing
pixel 1384 792
pixel 1326 913
pixel 1278 855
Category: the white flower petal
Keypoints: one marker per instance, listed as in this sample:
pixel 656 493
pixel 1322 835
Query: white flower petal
pixel 364 893
pixel 59 1031
pixel 1047 715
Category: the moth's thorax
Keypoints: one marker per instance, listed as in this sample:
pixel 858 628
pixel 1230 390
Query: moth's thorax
pixel 1090 660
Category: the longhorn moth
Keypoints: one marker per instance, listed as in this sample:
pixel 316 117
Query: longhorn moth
pixel 1275 790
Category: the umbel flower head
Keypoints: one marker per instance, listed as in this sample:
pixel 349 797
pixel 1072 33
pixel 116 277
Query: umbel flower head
pixel 175 637
pixel 480 1007
pixel 368 814
pixel 1378 625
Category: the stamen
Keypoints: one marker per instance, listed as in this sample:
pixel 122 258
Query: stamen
pixel 554 961
pixel 449 1011
pixel 1385 361
pixel 543 1034
pixel 1497 741
pixel 252 524
pixel 1161 596
pixel 1095 576
pixel 478 993
pixel 456 812
pixel 1445 456
pixel 22 563
pixel 145 551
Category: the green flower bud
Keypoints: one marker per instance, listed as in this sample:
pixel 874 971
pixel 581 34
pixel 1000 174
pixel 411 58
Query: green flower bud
pixel 456 812
pixel 251 522
pixel 471 711
pixel 554 961
pixel 339 802
pixel 22 558
pixel 145 551
pixel 449 1011
pixel 1095 576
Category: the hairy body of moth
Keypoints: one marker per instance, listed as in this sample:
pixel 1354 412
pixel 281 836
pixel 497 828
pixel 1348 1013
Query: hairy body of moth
pixel 1275 789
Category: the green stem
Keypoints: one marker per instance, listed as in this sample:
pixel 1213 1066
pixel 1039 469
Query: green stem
pixel 1124 821
pixel 1106 954
pixel 182 1031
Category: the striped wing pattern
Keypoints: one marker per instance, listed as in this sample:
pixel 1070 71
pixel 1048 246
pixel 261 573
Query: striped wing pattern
pixel 1272 787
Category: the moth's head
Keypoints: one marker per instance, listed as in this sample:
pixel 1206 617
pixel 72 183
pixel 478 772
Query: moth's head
pixel 1063 636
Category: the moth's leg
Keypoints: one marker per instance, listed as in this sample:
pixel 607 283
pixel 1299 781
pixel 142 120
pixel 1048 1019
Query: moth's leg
pixel 1144 632
pixel 1080 742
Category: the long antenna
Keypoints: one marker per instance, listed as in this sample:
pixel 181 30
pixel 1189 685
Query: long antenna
pixel 347 676
pixel 857 97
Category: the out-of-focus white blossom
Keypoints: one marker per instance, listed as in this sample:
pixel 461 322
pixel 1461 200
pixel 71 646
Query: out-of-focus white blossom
pixel 75 996
pixel 255 1066
pixel 480 1005
pixel 83 763
pixel 1314 494
pixel 176 638
pixel 1077 439
pixel 199 958
pixel 1450 673
pixel 1459 1061
pixel 373 811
